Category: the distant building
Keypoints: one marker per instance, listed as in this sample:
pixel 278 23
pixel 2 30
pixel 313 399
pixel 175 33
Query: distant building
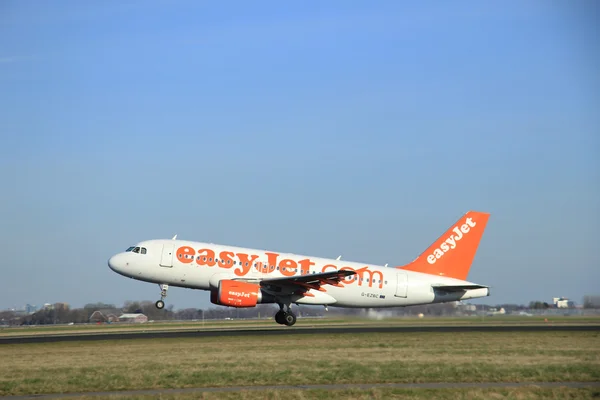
pixel 100 316
pixel 97 316
pixel 563 302
pixel 61 306
pixel 495 311
pixel 112 318
pixel 133 318
pixel 590 301
pixel 30 309
pixel 467 307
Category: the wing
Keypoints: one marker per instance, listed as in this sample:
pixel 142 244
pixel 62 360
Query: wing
pixel 306 282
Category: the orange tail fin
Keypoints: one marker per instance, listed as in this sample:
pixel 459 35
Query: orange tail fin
pixel 452 254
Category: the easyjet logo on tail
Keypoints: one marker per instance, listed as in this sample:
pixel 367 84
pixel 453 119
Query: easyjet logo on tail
pixel 452 254
pixel 451 241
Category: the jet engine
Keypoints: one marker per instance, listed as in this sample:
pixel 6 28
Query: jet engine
pixel 238 294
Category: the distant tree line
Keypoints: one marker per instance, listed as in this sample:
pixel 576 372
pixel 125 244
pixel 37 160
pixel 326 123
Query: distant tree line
pixel 538 305
pixel 591 302
pixel 61 313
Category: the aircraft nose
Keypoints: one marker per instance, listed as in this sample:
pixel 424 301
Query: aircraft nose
pixel 117 262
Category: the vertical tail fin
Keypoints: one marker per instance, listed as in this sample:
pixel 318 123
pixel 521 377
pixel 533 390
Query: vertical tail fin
pixel 452 254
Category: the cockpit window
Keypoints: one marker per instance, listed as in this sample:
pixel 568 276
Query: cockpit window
pixel 139 250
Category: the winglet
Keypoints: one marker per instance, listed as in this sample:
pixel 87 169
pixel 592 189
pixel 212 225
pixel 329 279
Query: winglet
pixel 452 253
pixel 174 237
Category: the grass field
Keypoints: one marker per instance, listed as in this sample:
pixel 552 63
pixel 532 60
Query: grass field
pixel 310 359
pixel 414 394
pixel 236 324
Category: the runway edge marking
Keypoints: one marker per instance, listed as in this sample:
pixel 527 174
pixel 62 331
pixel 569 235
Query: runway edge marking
pixel 294 331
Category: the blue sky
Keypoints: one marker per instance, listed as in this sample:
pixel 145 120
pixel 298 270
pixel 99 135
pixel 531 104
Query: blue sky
pixel 344 127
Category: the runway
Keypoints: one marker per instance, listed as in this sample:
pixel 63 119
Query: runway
pixel 299 330
pixel 366 386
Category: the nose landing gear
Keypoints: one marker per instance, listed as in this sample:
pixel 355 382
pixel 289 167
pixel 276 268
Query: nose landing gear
pixel 160 304
pixel 285 317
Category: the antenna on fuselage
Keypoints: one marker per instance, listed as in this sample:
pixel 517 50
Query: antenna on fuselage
pixel 339 257
pixel 174 237
pixel 386 265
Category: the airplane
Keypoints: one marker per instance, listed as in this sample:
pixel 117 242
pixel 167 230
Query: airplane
pixel 243 277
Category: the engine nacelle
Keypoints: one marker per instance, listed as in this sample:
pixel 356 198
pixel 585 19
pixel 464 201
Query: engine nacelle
pixel 236 294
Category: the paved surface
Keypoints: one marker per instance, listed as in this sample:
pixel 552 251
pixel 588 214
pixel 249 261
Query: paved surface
pixel 483 385
pixel 192 333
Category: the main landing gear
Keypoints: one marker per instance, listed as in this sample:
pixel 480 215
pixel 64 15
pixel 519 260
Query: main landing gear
pixel 285 317
pixel 160 304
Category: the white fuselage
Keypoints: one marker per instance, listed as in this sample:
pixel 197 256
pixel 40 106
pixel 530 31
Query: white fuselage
pixel 199 265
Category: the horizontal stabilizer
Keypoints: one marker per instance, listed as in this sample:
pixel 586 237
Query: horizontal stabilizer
pixel 458 288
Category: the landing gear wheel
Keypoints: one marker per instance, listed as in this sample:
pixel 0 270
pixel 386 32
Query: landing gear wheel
pixel 290 319
pixel 285 316
pixel 163 293
pixel 280 317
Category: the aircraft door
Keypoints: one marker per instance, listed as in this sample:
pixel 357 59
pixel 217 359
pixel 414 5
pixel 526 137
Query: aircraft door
pixel 166 259
pixel 401 284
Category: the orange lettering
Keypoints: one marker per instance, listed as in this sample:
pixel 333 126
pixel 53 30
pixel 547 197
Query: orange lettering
pixel 245 263
pixel 305 266
pixel 261 267
pixel 272 261
pixel 226 260
pixel 185 254
pixel 287 267
pixel 206 259
pixel 365 270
